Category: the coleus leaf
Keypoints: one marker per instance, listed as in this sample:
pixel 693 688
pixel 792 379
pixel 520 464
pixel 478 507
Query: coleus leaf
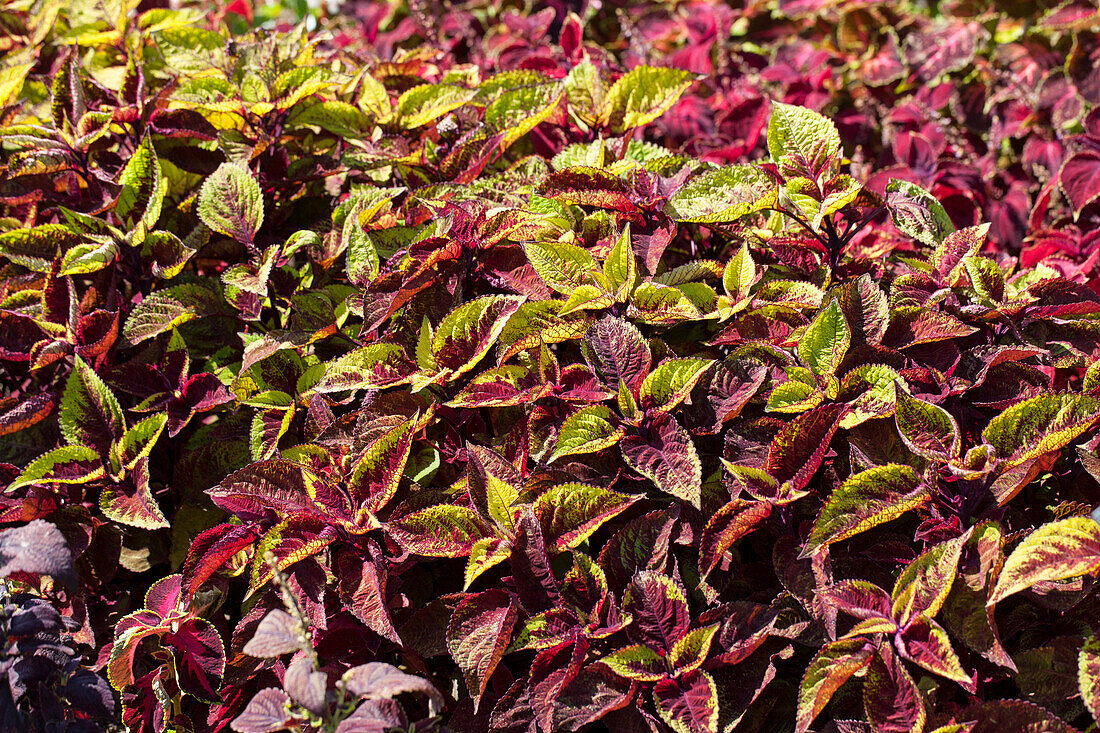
pixel 131 502
pixel 866 500
pixel 861 599
pixel 69 464
pixel 925 643
pixel 659 608
pixel 290 541
pixel 621 268
pixel 642 95
pixel 666 456
pixel 723 195
pixel 892 701
pixel 923 586
pixel 143 190
pixel 478 635
pixel 588 697
pixel 729 524
pixel 691 650
pixel 36 247
pixel 637 662
pixel 428 102
pixel 278 633
pixel 494 486
pixel 1088 675
pixel 826 340
pixel 231 202
pixel 443 530
pixel 467 333
pixel 1040 425
pixel 1063 549
pixel 165 309
pixel 617 351
pixel 19 413
pixel 375 476
pixel 689 703
pixel 588 430
pixel 917 213
pixel 90 414
pixel 670 382
pixel 831 667
pixel 563 266
pixel 211 550
pixel 800 447
pixel 279 487
pixel 801 141
pixel 380 681
pixel 926 429
pixel 570 513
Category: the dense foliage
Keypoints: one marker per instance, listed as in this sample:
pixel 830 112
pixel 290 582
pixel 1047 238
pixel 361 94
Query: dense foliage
pixel 644 367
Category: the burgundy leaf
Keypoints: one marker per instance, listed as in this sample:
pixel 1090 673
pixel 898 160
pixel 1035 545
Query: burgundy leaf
pixel 266 712
pixel 478 634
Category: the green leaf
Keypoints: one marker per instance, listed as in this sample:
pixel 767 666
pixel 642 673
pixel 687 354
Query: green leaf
pixel 231 202
pixel 167 309
pixel 167 252
pixel 723 195
pixel 376 475
pixel 35 248
pixel 376 366
pixel 518 111
pixel 69 464
pixel 620 268
pixel 570 513
pixel 802 141
pixel 143 190
pixel 90 413
pixel 867 499
pixel 1059 550
pixel 826 341
pixel 333 116
pixel 917 213
pixel 428 102
pixel 739 277
pixel 637 662
pixel 670 382
pixel 1040 425
pixel 587 297
pixel 585 90
pixel 442 530
pixel 832 667
pixel 494 486
pixel 484 554
pixel 642 95
pixel 926 429
pixel 588 430
pixel 561 265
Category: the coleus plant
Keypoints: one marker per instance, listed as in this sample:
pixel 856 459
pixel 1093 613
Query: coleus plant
pixel 474 371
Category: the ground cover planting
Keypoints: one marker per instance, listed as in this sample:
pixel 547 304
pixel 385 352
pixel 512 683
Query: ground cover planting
pixel 652 366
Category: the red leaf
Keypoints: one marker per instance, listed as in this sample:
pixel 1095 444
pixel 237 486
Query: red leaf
pixel 890 697
pixel 478 634
pixel 659 608
pixel 799 448
pixel 688 703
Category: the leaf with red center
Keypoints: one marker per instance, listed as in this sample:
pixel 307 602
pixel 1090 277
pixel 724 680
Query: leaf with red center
pixel 376 366
pixel 858 598
pixel 912 325
pixel 925 643
pixel 467 333
pixel 727 525
pixel 129 632
pixel 922 587
pixel 666 455
pixel 292 540
pixel 689 703
pixel 536 585
pixel 20 413
pixel 799 448
pixel 617 351
pixel 443 530
pixel 588 187
pixel 926 429
pixel 69 464
pixel 547 630
pixel 198 393
pixel 691 650
pixel 866 500
pixel 659 608
pixel 503 386
pixel 231 202
pixel 643 544
pixel 375 476
pixel 570 513
pixel 831 667
pixel 494 485
pixel 266 712
pixel 131 502
pixel 1056 551
pixel 477 636
pixel 892 701
pixel 211 550
pixel 279 487
pixel 1040 425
